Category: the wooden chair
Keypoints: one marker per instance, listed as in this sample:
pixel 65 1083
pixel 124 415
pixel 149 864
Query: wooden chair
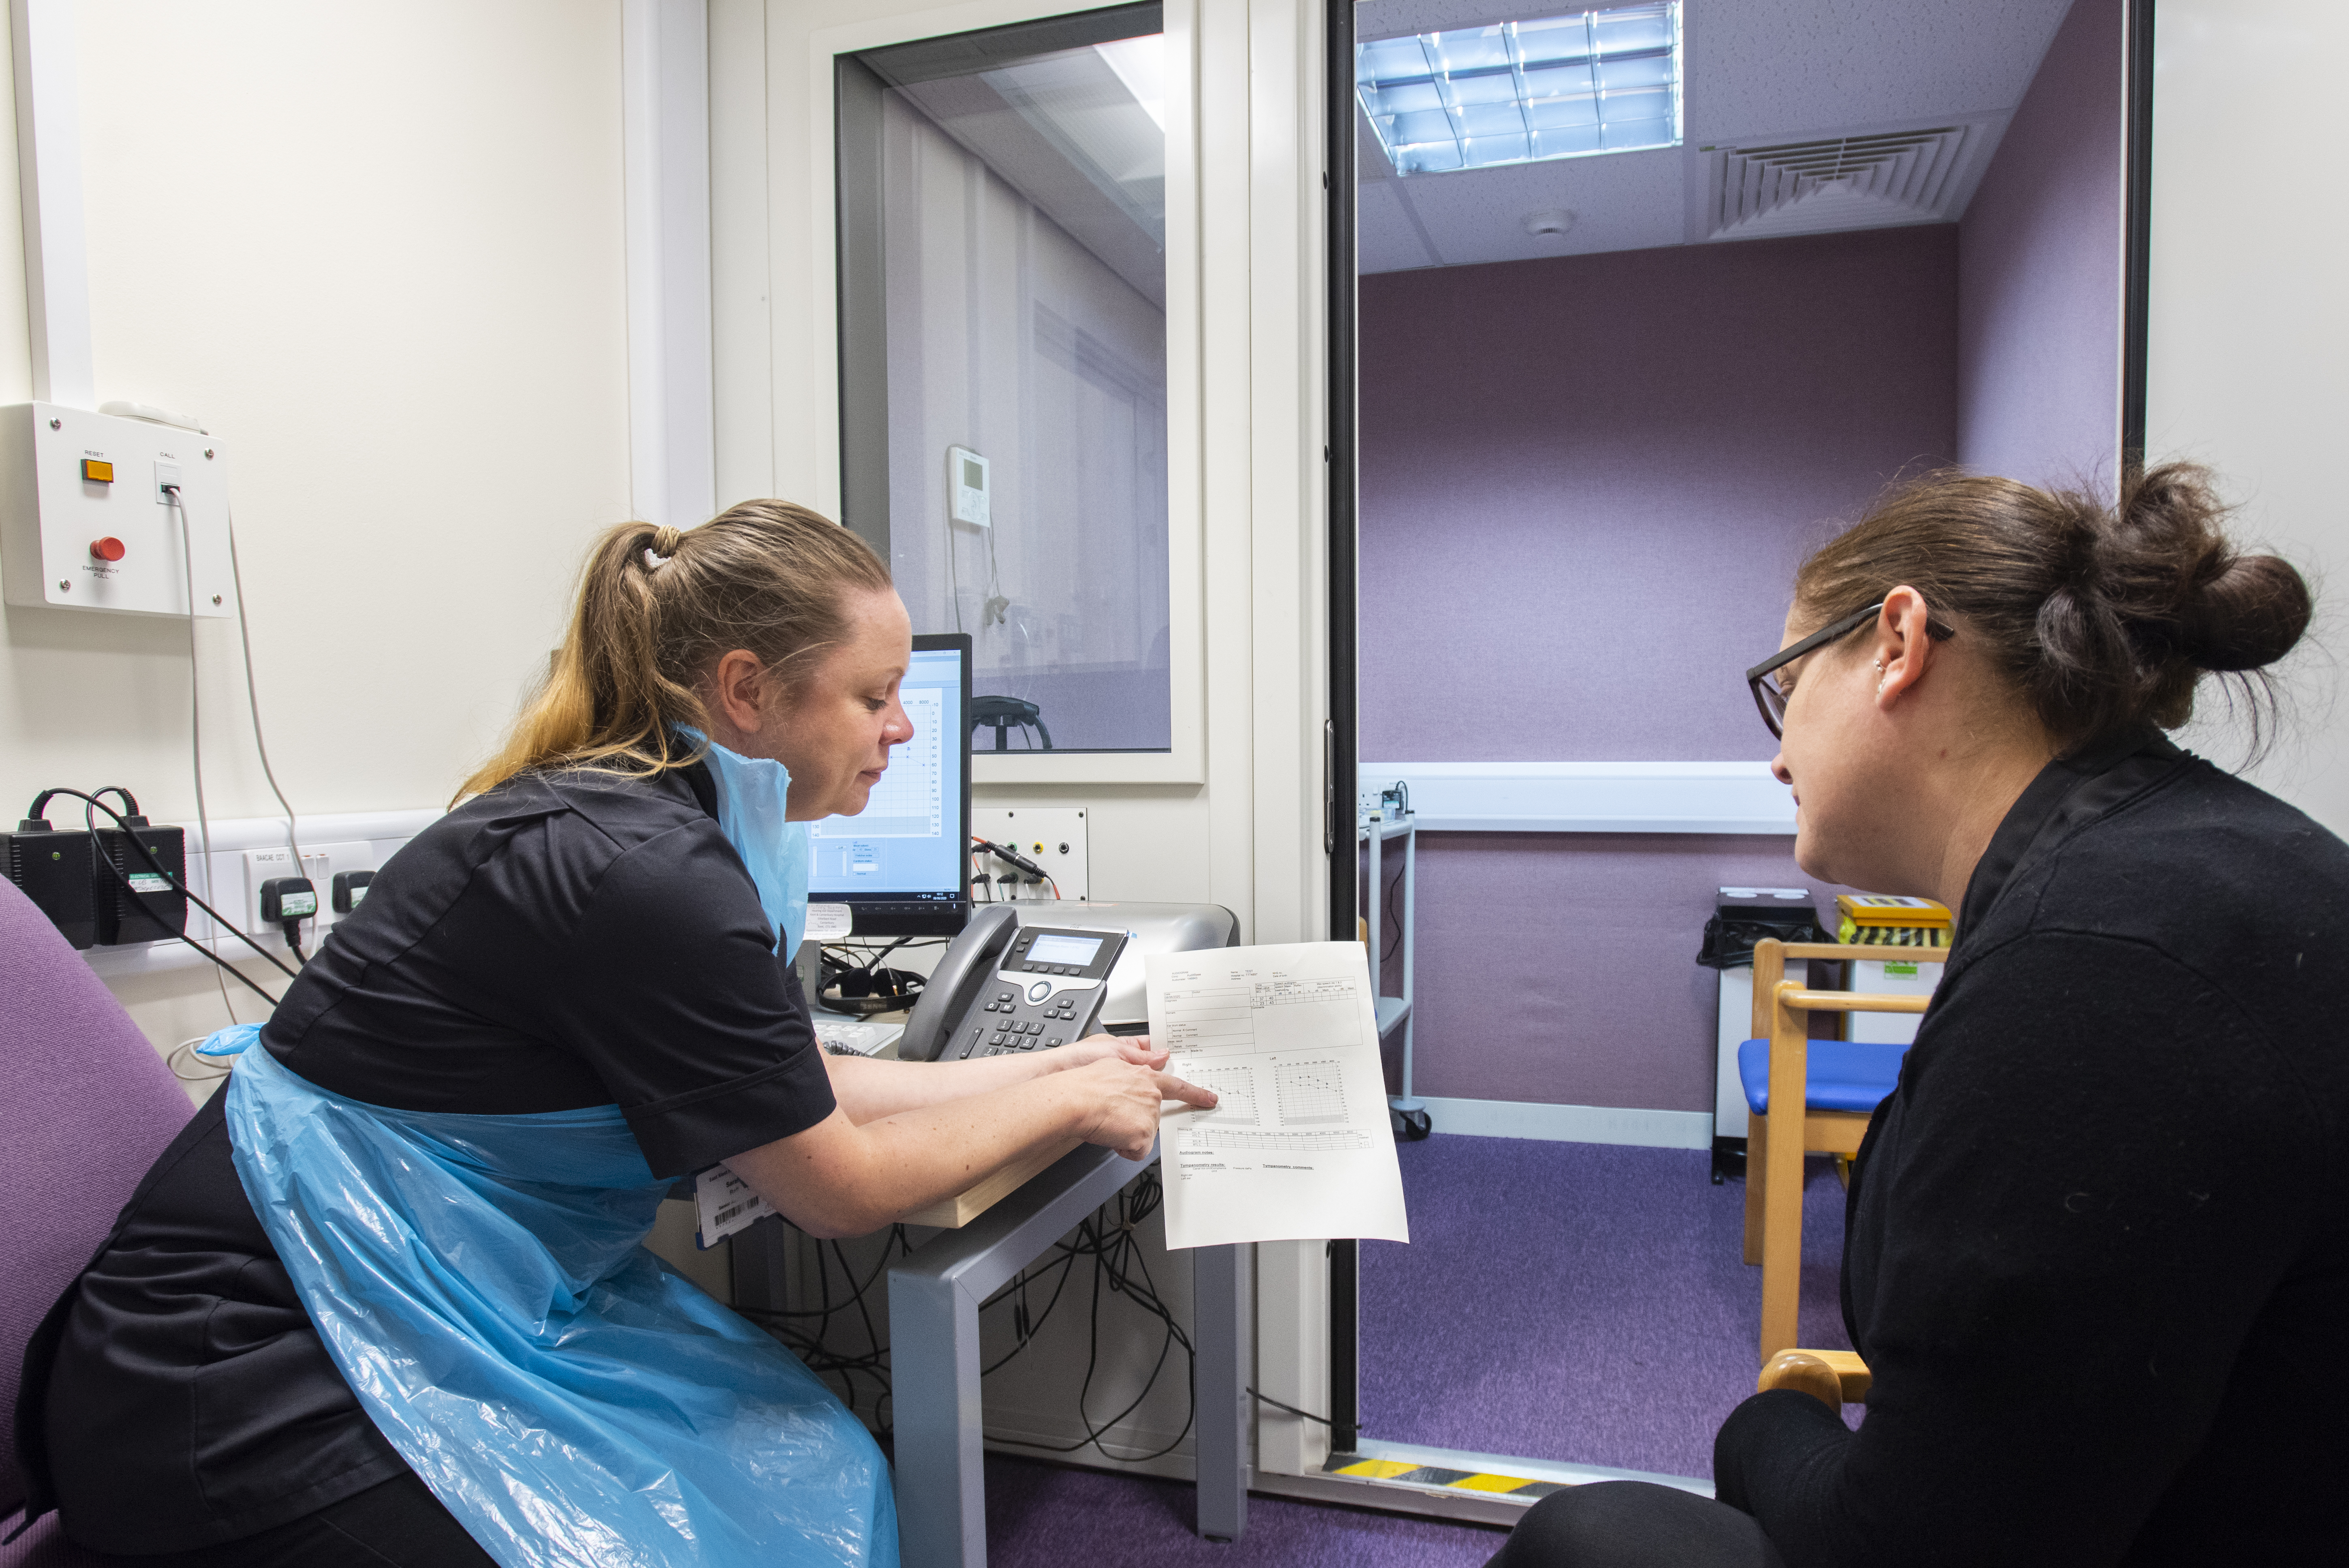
pixel 1834 1378
pixel 1773 1164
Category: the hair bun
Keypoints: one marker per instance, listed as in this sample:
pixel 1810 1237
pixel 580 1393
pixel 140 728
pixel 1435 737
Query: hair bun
pixel 2103 618
pixel 666 540
pixel 2247 616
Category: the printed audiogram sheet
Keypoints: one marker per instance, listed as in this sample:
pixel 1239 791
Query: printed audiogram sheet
pixel 1298 1144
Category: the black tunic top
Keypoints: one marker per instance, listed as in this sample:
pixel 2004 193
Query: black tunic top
pixel 565 941
pixel 2098 1248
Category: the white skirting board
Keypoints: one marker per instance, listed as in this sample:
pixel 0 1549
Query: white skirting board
pixel 1572 1123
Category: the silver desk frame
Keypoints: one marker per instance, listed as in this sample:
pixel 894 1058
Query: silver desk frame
pixel 934 1361
pixel 1394 1011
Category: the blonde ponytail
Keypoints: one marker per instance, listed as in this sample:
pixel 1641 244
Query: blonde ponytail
pixel 656 606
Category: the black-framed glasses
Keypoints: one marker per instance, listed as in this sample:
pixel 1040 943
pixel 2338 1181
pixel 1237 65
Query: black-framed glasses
pixel 1771 701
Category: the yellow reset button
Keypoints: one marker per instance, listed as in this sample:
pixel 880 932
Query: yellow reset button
pixel 97 469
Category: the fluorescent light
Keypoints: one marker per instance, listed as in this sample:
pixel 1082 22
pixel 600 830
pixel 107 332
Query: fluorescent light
pixel 1524 92
pixel 1141 65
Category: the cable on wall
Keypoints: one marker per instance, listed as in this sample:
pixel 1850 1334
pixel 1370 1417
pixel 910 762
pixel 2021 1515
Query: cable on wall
pixel 196 726
pixel 91 804
pixel 251 695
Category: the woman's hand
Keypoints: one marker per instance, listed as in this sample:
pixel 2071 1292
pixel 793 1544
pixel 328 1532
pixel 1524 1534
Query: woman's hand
pixel 1120 1100
pixel 1135 1048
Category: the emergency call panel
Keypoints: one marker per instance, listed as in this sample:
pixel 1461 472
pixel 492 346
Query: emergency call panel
pixel 99 511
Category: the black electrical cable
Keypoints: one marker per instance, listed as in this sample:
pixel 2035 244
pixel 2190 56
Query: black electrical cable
pixel 120 876
pixel 1011 857
pixel 849 951
pixel 1113 1253
pixel 1116 1256
pixel 809 1347
pixel 1301 1415
pixel 1147 1298
pixel 149 855
pixel 91 803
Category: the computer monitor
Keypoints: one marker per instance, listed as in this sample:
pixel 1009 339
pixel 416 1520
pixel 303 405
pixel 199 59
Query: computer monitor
pixel 903 864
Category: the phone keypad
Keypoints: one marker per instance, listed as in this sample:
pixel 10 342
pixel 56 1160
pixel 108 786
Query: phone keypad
pixel 1007 1019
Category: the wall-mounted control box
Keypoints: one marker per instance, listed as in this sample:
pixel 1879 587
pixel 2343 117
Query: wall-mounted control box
pixel 87 523
pixel 969 487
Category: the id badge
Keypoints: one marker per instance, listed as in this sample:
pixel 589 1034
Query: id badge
pixel 723 1203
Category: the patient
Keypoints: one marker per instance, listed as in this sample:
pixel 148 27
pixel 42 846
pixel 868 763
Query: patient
pixel 2097 1251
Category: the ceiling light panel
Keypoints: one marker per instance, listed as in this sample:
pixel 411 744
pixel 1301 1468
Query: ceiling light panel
pixel 1523 92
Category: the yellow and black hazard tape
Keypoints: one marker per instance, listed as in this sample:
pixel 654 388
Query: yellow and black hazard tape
pixel 1400 1472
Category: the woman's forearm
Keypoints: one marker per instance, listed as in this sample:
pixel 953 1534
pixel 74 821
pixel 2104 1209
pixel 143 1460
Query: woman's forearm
pixel 869 1090
pixel 844 1178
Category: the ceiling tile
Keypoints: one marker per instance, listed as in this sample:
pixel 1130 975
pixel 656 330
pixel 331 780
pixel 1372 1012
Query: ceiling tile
pixel 1753 69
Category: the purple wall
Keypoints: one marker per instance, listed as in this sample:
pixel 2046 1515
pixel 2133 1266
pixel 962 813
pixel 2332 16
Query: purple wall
pixel 2039 271
pixel 1562 968
pixel 1586 482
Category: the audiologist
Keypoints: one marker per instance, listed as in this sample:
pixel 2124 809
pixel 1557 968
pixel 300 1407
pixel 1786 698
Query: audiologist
pixel 384 1300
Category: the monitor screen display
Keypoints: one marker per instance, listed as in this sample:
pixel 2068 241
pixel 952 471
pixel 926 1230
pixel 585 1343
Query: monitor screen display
pixel 1075 952
pixel 910 845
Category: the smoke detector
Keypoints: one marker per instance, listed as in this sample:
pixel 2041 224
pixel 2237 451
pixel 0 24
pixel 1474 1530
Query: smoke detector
pixel 1555 222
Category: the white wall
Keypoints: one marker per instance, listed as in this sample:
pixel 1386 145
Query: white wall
pixel 2251 326
pixel 377 247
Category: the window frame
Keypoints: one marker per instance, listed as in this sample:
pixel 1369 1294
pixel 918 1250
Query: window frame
pixel 841 90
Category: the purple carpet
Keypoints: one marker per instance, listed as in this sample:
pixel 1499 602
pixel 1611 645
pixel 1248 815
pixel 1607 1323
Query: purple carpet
pixel 1042 1516
pixel 1575 1302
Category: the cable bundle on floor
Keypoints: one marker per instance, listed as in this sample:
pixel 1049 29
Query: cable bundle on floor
pixel 1106 1237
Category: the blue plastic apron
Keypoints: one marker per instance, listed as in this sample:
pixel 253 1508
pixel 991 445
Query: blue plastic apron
pixel 571 1398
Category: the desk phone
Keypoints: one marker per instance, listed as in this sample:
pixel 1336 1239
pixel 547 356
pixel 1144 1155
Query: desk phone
pixel 1004 987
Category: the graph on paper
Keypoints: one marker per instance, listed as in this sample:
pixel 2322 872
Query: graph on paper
pixel 1311 1092
pixel 1235 1089
pixel 1298 1144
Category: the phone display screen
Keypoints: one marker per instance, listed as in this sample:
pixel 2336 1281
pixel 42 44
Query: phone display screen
pixel 1074 951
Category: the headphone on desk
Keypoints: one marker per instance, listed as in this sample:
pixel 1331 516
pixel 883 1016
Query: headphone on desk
pixel 854 989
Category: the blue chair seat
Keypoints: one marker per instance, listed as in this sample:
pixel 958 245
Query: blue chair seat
pixel 1843 1075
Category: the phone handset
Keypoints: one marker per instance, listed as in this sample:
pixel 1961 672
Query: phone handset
pixel 970 962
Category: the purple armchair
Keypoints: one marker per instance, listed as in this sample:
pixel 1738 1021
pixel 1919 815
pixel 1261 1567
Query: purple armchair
pixel 87 1107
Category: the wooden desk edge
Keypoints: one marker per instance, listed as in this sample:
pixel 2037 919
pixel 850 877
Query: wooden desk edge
pixel 954 1213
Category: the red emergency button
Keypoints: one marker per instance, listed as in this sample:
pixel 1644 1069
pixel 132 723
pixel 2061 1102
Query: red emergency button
pixel 105 549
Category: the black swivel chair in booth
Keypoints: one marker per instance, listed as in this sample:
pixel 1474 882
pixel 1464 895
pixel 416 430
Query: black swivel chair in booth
pixel 1001 713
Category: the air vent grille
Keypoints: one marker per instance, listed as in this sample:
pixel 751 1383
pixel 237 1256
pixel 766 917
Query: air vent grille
pixel 1863 181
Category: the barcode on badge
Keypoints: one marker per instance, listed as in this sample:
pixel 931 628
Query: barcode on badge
pixel 723 1203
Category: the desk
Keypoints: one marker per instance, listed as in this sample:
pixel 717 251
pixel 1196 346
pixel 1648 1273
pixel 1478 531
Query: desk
pixel 934 1363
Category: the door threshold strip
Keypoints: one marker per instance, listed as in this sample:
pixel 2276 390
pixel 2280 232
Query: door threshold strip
pixel 1498 1475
